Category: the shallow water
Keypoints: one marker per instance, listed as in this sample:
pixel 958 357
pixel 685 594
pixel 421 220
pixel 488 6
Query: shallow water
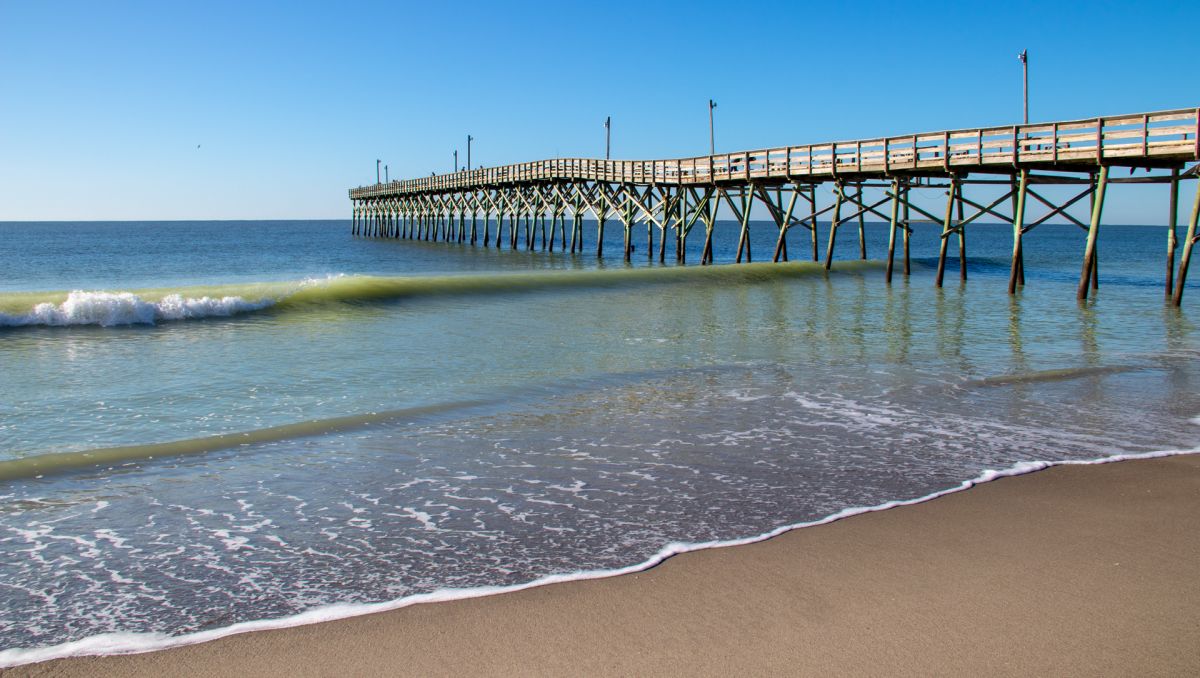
pixel 429 416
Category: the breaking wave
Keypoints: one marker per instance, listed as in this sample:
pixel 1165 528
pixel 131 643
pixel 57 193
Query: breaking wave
pixel 125 308
pixel 149 307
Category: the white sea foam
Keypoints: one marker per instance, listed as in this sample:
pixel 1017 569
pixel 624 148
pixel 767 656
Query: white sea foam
pixel 134 643
pixel 125 308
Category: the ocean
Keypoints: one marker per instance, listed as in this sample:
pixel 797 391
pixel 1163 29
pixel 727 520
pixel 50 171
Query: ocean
pixel 208 427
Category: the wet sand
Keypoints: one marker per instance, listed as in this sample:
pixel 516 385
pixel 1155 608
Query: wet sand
pixel 1077 570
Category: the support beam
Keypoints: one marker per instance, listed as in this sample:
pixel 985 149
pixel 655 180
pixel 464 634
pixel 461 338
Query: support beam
pixel 962 236
pixel 1089 255
pixel 891 256
pixel 833 225
pixel 862 231
pixel 1188 242
pixel 1172 242
pixel 1014 273
pixel 907 232
pixel 947 229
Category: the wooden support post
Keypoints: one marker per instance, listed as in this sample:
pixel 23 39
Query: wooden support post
pixel 474 225
pixel 962 236
pixel 562 226
pixel 946 229
pixel 891 257
pixel 1018 231
pixel 1095 279
pixel 833 225
pixel 812 198
pixel 649 228
pixel 679 225
pixel 907 232
pixel 576 228
pixel 1172 242
pixel 662 238
pixel 600 232
pixel 1089 255
pixel 666 220
pixel 744 235
pixel 785 223
pixel 1021 263
pixel 1188 242
pixel 627 223
pixel 862 229
pixel 709 218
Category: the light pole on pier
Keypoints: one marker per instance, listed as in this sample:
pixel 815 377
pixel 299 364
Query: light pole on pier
pixel 377 170
pixel 712 145
pixel 1024 57
pixel 469 140
pixel 456 161
pixel 607 137
pixel 385 175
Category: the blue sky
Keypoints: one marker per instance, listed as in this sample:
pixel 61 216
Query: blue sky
pixel 261 110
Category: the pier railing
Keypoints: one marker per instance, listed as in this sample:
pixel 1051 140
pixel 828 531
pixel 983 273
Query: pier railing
pixel 1157 137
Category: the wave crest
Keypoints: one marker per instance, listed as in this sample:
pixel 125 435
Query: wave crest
pixel 108 309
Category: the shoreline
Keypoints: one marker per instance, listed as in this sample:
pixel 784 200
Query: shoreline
pixel 970 582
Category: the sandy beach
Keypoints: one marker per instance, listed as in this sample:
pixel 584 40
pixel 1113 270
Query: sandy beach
pixel 1076 570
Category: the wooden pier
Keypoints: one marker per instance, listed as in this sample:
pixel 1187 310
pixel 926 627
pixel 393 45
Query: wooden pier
pixel 672 196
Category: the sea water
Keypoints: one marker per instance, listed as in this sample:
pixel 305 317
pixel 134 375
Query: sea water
pixel 214 426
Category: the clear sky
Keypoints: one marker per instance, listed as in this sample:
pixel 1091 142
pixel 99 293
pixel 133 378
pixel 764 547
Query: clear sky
pixel 263 110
